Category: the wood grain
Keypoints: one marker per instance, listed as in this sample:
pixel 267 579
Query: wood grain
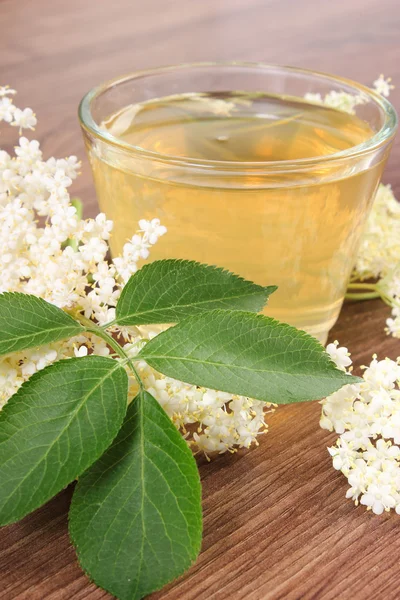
pixel 277 525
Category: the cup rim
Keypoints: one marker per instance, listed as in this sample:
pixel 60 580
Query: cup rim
pixel 372 144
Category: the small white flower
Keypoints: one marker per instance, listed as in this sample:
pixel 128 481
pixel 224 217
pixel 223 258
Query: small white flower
pixel 94 250
pixel 7 109
pixel 6 91
pixel 98 227
pixel 343 456
pixel 357 478
pixel 152 230
pixel 382 374
pixel 358 436
pixel 100 348
pixel 28 151
pixel 70 166
pixel 57 183
pixel 383 86
pixel 381 453
pixel 339 355
pixel 378 498
pixel 24 119
pixel 337 408
pixel 393 326
pixel 313 97
pixel 80 352
pixel 37 360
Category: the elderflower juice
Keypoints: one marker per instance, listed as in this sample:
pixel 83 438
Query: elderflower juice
pixel 244 180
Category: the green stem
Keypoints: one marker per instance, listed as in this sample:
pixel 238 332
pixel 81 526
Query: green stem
pixel 362 286
pixel 385 299
pixel 366 296
pixel 376 292
pixel 107 325
pixel 97 330
pixel 76 203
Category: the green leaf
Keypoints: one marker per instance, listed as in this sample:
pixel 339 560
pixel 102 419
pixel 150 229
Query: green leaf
pixel 56 425
pixel 27 321
pixel 135 517
pixel 246 354
pixel 167 291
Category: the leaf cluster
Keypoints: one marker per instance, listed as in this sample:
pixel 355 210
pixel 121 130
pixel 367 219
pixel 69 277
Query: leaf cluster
pixel 135 517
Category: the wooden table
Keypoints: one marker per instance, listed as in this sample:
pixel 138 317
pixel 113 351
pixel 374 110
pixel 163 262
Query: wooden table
pixel 277 525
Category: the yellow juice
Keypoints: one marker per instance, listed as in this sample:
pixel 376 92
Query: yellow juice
pixel 298 232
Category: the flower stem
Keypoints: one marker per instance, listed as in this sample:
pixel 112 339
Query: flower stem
pixel 77 204
pixel 91 327
pixel 360 295
pixel 361 286
pixel 365 296
pixel 107 325
pixel 386 299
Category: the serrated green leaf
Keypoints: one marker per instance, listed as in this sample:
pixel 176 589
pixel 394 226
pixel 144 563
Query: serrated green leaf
pixel 246 354
pixel 56 425
pixel 167 291
pixel 27 321
pixel 135 516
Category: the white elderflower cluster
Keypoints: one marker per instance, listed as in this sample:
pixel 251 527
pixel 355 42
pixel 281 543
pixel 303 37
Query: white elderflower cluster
pixel 347 102
pixel 389 290
pixel 212 421
pixel 48 250
pixel 24 119
pixel 341 100
pixel 367 418
pixel 379 252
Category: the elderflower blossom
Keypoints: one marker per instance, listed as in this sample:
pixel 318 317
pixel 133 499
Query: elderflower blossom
pixel 341 100
pixel 383 86
pixel 48 251
pixel 347 102
pixel 366 416
pixel 212 421
pixel 379 253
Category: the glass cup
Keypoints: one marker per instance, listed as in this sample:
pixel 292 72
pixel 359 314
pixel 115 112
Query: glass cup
pixel 295 223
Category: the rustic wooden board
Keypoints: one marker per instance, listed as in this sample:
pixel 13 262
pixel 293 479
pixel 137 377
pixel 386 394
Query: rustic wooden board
pixel 277 525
